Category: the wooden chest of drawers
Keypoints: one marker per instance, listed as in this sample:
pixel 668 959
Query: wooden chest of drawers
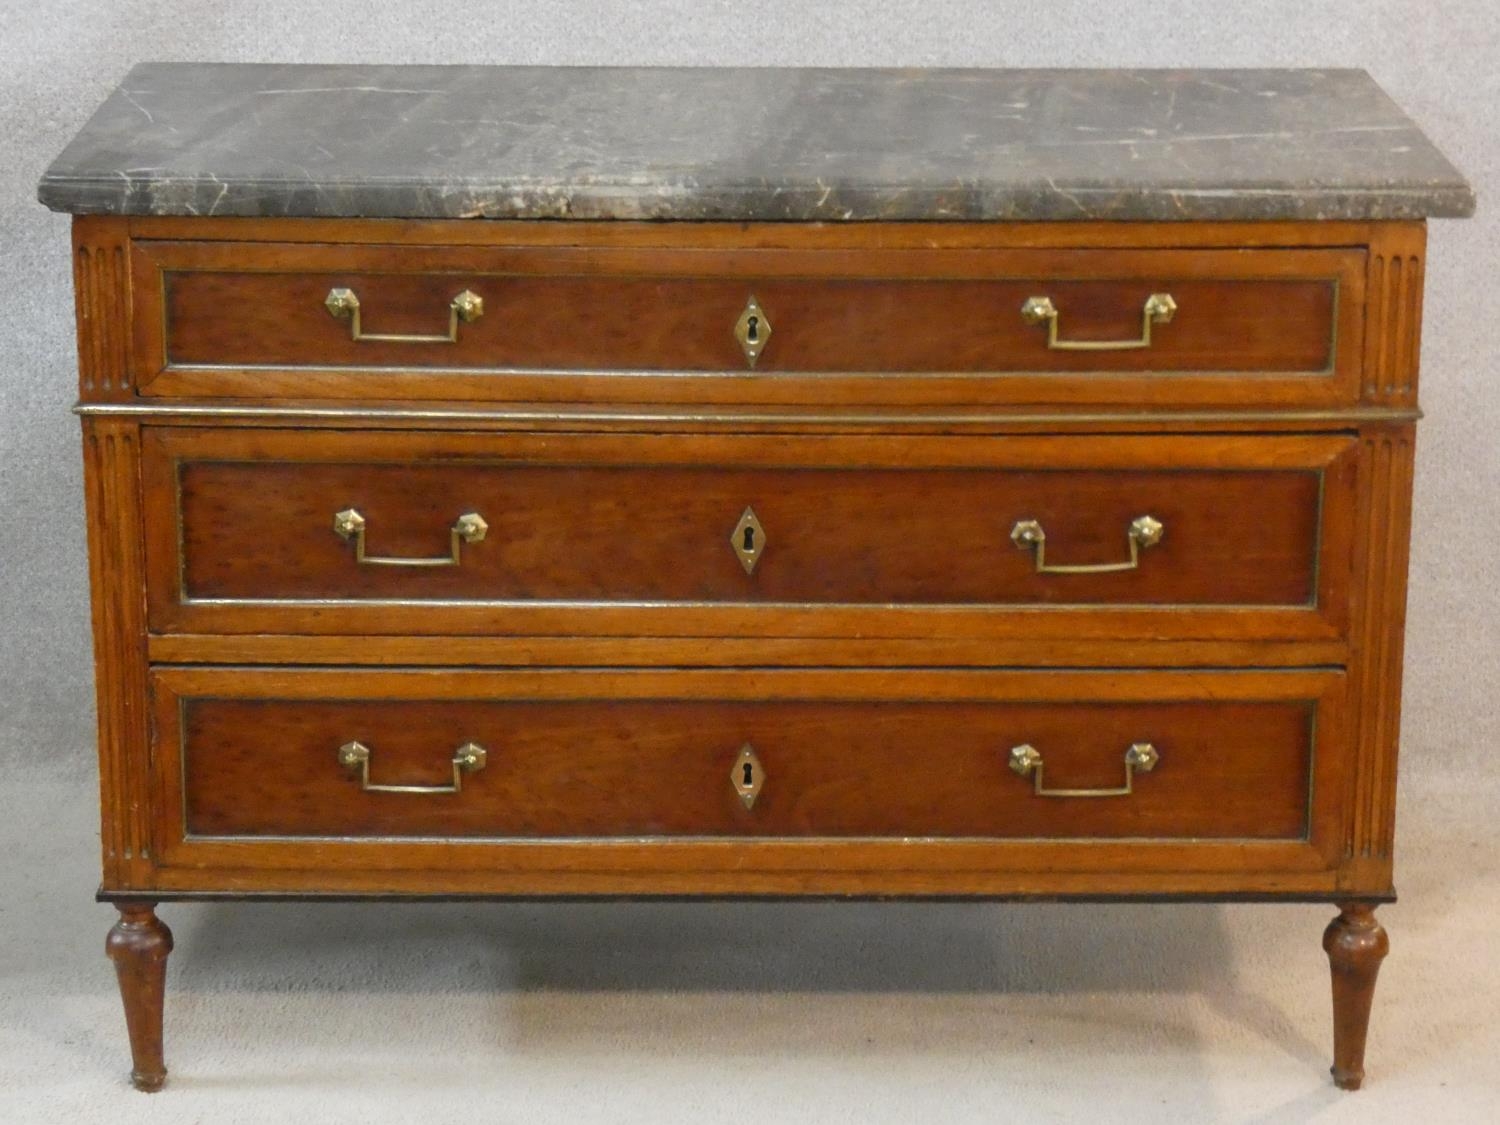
pixel 912 557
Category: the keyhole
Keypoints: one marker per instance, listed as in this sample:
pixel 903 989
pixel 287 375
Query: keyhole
pixel 749 782
pixel 752 329
pixel 749 540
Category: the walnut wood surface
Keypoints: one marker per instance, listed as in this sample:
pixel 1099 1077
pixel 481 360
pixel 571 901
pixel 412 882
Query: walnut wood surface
pixel 1080 234
pixel 1383 536
pixel 138 944
pixel 662 768
pixel 1394 321
pixel 116 539
pixel 1245 733
pixel 849 323
pixel 1356 944
pixel 101 283
pixel 611 647
pixel 733 652
pixel 662 533
pixel 859 534
pixel 572 320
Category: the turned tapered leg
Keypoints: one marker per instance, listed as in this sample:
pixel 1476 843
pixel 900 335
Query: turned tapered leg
pixel 138 944
pixel 1356 944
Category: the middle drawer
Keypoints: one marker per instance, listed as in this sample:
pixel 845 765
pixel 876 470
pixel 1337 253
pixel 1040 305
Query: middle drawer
pixel 682 535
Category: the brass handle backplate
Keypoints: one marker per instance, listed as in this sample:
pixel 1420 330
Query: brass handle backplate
pixel 468 528
pixel 1143 532
pixel 1159 308
pixel 468 758
pixel 1027 760
pixel 343 304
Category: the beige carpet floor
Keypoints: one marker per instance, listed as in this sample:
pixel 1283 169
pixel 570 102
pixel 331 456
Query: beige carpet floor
pixel 859 1013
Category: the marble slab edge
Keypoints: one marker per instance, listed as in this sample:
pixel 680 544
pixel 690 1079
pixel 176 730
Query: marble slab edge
pixel 748 144
pixel 747 203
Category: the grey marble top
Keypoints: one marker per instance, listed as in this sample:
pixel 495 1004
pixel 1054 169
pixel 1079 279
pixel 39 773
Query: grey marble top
pixel 738 144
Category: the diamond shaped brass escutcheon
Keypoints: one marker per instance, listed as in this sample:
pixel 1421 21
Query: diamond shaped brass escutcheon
pixel 748 540
pixel 753 331
pixel 747 775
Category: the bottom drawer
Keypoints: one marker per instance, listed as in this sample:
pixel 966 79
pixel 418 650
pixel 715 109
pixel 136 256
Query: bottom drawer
pixel 556 755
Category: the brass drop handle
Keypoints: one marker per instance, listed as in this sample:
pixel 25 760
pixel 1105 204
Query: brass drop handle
pixel 468 758
pixel 1143 532
pixel 1159 308
pixel 343 304
pixel 1026 760
pixel 468 528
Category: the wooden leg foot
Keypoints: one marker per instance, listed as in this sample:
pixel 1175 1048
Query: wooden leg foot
pixel 1356 944
pixel 138 944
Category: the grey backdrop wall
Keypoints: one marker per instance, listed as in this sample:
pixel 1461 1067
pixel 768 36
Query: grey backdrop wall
pixel 1442 62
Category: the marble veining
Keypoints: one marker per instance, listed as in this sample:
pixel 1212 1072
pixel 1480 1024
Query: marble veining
pixel 751 144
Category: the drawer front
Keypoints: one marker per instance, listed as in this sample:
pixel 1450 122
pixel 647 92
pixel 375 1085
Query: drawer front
pixel 267 531
pixel 813 326
pixel 527 756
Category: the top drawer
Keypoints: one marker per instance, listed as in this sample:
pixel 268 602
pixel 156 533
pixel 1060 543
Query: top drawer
pixel 750 326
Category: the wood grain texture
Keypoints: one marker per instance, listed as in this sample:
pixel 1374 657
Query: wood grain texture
pixel 694 418
pixel 864 536
pixel 729 652
pixel 1356 944
pixel 101 288
pixel 775 864
pixel 116 537
pixel 1010 870
pixel 769 236
pixel 1394 325
pixel 579 322
pixel 854 321
pixel 631 768
pixel 139 944
pixel 662 534
pixel 1383 538
pixel 604 643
